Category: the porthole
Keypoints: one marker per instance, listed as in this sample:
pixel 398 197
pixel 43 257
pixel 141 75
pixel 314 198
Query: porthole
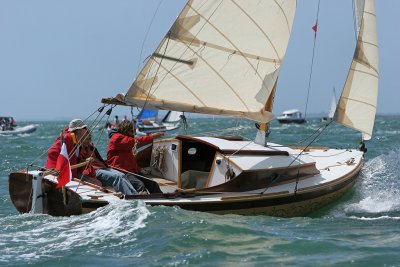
pixel 192 151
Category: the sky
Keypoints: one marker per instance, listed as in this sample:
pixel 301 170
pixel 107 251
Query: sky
pixel 59 58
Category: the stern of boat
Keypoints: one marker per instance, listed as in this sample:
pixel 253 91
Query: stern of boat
pixel 30 193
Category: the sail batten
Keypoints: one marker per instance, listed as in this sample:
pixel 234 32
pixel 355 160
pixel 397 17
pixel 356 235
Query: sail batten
pixel 357 105
pixel 219 57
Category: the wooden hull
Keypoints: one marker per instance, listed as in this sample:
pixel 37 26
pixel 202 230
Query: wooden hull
pixel 320 178
pixel 285 205
pixel 20 188
pixel 276 204
pixel 280 205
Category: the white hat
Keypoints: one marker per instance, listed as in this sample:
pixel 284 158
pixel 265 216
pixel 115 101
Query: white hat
pixel 76 124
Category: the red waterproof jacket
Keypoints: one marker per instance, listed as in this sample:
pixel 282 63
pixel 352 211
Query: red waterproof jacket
pixel 120 154
pixel 97 163
pixel 54 151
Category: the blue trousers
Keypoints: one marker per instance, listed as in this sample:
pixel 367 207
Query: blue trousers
pixel 116 179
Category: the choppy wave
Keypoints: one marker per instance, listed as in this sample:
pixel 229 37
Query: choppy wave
pixel 360 229
pixel 28 237
pixel 377 192
pixel 386 217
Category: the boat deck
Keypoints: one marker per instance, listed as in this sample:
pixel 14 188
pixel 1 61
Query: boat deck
pixel 333 164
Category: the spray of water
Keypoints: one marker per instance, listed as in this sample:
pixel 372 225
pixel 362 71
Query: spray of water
pixel 379 186
pixel 105 229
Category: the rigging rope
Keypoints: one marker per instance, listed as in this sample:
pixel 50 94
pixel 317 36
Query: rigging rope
pixel 145 36
pixel 95 145
pixel 312 63
pixel 32 164
pixel 183 53
pixel 159 158
pixel 290 164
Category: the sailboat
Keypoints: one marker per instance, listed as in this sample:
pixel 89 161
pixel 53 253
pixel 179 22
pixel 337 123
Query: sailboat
pixel 332 109
pixel 147 121
pixel 224 58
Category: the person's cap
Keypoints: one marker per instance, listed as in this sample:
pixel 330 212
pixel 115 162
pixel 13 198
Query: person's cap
pixel 76 124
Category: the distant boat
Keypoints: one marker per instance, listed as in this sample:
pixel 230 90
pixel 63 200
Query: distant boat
pixel 291 116
pixel 8 126
pixel 147 122
pixel 332 110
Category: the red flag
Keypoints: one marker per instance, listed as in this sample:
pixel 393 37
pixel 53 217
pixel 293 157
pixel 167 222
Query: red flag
pixel 315 29
pixel 63 167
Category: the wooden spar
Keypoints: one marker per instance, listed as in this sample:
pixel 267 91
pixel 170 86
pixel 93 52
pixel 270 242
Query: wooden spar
pixel 113 101
pixel 55 172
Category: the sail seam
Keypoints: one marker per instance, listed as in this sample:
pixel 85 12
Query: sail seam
pixel 364 72
pixel 369 13
pixel 183 84
pixel 223 35
pixel 184 39
pixel 369 43
pixel 222 78
pixel 258 27
pixel 284 15
pixel 358 101
pixel 188 6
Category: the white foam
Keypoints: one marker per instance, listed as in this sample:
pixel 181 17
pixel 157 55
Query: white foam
pixel 373 205
pixel 379 186
pixel 386 217
pixel 46 236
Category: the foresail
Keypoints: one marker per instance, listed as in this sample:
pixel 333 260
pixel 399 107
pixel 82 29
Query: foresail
pixel 172 116
pixel 220 57
pixel 357 104
pixel 147 114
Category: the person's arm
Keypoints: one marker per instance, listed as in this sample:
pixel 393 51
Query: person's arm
pixel 144 140
pixel 122 142
pixel 159 134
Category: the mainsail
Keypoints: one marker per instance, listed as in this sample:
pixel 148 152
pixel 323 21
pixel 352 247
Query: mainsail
pixel 219 57
pixel 357 104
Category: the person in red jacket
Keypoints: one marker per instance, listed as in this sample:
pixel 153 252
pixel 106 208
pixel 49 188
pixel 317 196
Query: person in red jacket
pixel 120 152
pixel 98 169
pixel 74 135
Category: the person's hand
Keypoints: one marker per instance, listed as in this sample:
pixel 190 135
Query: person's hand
pixel 156 135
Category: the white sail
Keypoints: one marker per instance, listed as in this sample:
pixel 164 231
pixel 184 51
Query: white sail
pixel 172 116
pixel 357 104
pixel 333 105
pixel 220 57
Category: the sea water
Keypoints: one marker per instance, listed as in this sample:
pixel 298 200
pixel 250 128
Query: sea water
pixel 361 229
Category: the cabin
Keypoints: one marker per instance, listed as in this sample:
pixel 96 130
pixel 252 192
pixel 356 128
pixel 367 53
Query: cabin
pixel 220 164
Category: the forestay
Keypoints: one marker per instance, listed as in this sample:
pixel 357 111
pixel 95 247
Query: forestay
pixel 357 104
pixel 219 57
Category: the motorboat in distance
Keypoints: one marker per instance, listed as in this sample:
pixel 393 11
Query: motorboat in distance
pixel 291 116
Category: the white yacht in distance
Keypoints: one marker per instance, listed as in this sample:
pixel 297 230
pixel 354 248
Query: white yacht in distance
pixel 291 116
